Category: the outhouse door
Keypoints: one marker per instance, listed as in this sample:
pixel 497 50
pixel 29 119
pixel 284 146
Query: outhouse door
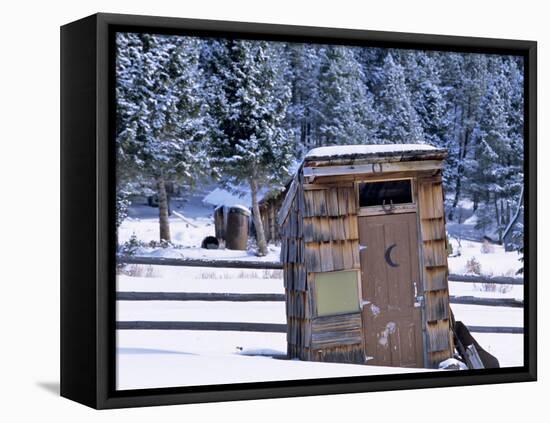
pixel 390 278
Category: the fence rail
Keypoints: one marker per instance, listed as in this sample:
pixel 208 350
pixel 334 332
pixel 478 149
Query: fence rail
pixel 481 301
pixel 221 326
pixel 189 262
pixel 495 329
pixel 274 265
pixel 237 297
pixel 196 296
pixel 258 327
pixel 274 327
pixel 497 280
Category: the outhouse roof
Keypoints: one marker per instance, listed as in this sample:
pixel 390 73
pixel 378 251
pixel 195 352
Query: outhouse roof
pixel 375 152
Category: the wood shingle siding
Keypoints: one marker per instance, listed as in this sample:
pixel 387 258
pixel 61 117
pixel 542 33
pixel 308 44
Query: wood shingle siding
pixel 437 305
pixel 321 223
pixel 438 336
pixel 435 271
pixel 435 278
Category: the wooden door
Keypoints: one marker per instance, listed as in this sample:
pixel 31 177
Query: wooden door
pixel 390 278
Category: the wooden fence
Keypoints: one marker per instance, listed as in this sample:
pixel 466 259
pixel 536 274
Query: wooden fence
pixel 277 265
pixel 273 327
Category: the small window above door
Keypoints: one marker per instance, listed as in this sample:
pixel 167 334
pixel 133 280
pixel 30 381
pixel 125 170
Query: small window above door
pixel 385 193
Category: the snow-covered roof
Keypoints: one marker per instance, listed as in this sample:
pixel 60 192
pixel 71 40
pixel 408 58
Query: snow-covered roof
pixel 362 150
pixel 245 209
pixel 221 197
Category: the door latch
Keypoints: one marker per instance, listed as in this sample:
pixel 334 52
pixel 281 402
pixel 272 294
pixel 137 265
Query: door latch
pixel 418 299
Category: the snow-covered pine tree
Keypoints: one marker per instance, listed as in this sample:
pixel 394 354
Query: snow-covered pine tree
pixel 348 115
pixel 400 122
pixel 424 83
pixel 372 62
pixel 250 144
pixel 489 170
pixel 305 109
pixel 514 74
pixel 160 114
pixel 465 76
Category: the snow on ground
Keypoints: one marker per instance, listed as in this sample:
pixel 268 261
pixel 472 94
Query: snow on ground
pixel 153 358
pixel 274 312
pixel 474 315
pixel 156 359
pixel 147 229
pixel 197 279
pixel 187 236
pixel 193 311
pixel 496 262
pixel 273 253
pixel 508 348
pixel 486 290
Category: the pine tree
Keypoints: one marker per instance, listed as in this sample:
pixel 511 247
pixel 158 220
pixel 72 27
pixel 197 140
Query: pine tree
pixel 160 114
pixel 306 105
pixel 400 122
pixel 348 116
pixel 422 77
pixel 467 79
pixel 496 171
pixel 250 143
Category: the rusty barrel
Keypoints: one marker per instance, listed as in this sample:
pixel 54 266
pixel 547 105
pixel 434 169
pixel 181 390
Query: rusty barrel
pixel 236 228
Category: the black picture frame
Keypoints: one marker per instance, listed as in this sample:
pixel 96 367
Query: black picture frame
pixel 87 212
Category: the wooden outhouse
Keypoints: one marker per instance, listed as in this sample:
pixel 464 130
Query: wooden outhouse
pixel 365 257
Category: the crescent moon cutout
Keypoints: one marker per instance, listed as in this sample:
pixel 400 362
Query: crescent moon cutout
pixel 387 256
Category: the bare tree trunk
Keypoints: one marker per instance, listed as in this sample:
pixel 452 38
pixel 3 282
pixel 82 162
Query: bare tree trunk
pixel 458 188
pixel 163 209
pixel 499 226
pixel 463 151
pixel 260 235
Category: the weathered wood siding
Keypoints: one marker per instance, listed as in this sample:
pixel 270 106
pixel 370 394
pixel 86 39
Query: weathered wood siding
pixel 298 310
pixel 320 234
pixel 268 212
pixel 435 271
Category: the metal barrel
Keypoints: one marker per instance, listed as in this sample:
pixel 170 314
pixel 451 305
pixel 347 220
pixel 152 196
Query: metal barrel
pixel 236 231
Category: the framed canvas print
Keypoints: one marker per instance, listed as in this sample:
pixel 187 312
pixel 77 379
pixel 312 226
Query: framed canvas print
pixel 258 211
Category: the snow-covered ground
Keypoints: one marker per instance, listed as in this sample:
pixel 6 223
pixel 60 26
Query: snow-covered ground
pixel 187 234
pixel 201 279
pixel 185 358
pixel 153 358
pixel 191 311
pixel 493 260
